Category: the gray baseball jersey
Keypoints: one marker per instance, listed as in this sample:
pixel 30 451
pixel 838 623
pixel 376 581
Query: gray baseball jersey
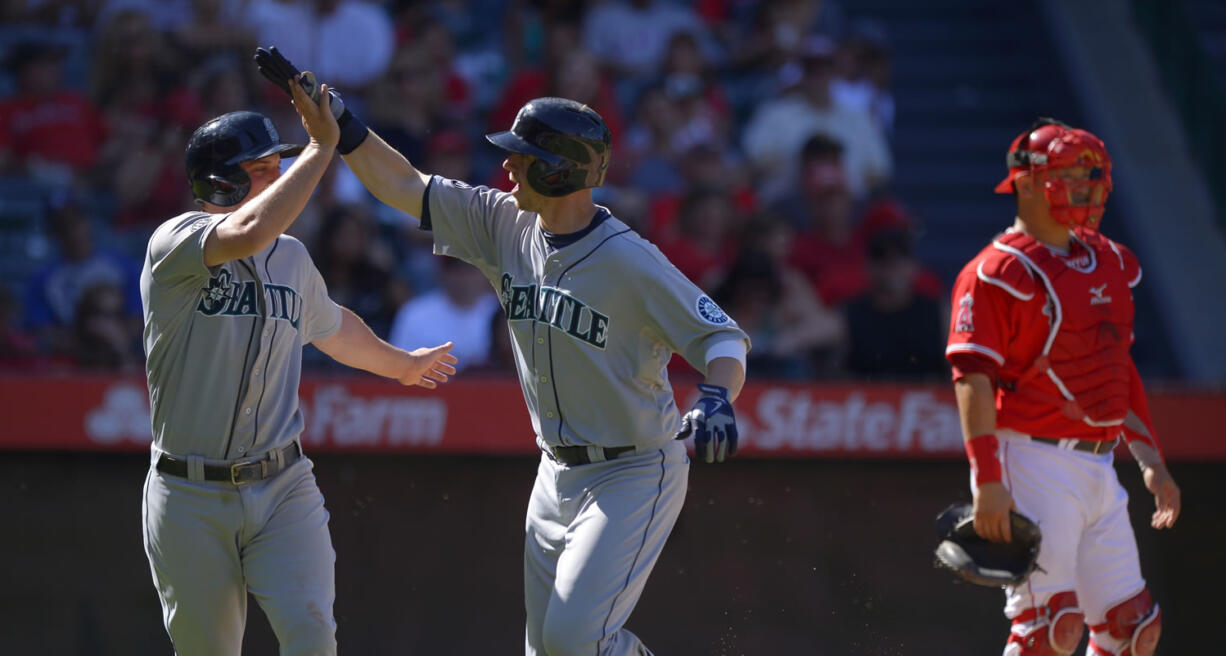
pixel 224 345
pixel 595 318
pixel 224 357
pixel 594 324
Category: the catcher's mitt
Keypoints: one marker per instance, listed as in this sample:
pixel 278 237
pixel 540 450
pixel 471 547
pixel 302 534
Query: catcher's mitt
pixel 981 562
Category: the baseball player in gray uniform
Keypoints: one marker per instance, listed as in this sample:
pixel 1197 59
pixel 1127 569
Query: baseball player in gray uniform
pixel 230 502
pixel 595 314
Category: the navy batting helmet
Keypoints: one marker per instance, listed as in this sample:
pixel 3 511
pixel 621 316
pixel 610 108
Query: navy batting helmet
pixel 216 149
pixel 570 141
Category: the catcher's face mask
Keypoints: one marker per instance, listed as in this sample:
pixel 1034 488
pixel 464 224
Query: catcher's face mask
pixel 1070 165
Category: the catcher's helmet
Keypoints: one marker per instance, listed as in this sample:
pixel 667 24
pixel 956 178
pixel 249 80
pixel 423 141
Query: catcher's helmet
pixel 1050 145
pixel 570 140
pixel 216 149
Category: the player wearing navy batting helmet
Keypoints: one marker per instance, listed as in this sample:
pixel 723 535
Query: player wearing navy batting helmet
pixel 595 313
pixel 231 506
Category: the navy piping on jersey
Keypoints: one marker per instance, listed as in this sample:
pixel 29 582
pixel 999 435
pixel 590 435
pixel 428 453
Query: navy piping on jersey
pixel 276 325
pixel 425 207
pixel 629 574
pixel 239 399
pixel 558 402
pixel 557 241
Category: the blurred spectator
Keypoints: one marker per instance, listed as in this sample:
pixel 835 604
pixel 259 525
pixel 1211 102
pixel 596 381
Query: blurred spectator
pixel 778 129
pixel 46 130
pixel 60 13
pixel 346 43
pixel 223 85
pixel 649 152
pixel 457 311
pixel 54 292
pixel 777 30
pixel 449 154
pixel 211 29
pixel 434 39
pixel 865 70
pixel 408 104
pixel 104 338
pixel 18 348
pixel 704 246
pixel 140 88
pixel 687 76
pixel 827 247
pixel 630 37
pixel 357 268
pixel 894 332
pixel 501 355
pixel 794 336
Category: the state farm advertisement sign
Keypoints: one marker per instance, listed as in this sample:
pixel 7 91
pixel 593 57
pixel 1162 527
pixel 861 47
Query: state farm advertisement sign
pixel 487 416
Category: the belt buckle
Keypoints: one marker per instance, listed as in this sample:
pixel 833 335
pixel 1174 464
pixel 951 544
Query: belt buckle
pixel 237 476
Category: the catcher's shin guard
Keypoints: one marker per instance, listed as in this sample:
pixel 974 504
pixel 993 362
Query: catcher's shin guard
pixel 1132 628
pixel 1053 629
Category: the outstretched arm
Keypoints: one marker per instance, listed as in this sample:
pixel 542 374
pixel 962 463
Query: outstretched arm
pixel 388 175
pixel 357 346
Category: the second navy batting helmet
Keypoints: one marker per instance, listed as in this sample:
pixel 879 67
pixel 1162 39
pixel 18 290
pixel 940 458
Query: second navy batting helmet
pixel 216 149
pixel 570 141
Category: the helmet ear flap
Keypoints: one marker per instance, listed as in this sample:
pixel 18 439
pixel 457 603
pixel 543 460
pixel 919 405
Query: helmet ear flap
pixel 224 188
pixel 550 180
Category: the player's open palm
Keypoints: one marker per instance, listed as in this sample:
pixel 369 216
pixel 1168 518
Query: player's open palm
pixel 428 367
pixel 1166 495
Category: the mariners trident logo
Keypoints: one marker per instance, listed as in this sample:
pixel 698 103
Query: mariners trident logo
pixel 226 297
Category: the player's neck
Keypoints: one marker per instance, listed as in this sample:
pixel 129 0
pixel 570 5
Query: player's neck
pixel 568 214
pixel 1043 229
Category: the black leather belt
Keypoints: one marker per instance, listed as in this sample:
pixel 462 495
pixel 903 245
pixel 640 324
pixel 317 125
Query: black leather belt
pixel 244 470
pixel 578 455
pixel 1092 446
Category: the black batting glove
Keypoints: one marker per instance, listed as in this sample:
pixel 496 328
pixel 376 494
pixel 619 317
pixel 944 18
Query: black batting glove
pixel 279 70
pixel 712 423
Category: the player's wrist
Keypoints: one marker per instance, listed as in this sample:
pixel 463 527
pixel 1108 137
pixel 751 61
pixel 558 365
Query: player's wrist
pixel 985 465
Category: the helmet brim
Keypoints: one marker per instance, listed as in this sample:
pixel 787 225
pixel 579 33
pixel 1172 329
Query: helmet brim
pixel 1006 185
pixel 286 150
pixel 514 143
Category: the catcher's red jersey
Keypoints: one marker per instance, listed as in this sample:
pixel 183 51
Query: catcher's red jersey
pixel 1053 329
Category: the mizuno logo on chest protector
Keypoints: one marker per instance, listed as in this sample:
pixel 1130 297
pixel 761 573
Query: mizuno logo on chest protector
pixel 556 308
pixel 227 297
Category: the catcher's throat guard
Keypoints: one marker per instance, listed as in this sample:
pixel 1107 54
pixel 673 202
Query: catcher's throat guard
pixel 979 561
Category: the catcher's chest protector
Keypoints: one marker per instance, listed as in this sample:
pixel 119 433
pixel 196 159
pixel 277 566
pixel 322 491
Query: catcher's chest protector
pixel 1090 310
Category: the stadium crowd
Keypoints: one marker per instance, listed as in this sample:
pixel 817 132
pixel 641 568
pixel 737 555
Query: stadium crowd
pixel 751 144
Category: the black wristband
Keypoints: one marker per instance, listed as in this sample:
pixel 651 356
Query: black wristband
pixel 353 132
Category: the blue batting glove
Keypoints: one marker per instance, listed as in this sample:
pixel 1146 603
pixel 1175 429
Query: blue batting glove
pixel 712 423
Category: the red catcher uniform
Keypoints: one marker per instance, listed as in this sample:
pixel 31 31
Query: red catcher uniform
pixel 1053 330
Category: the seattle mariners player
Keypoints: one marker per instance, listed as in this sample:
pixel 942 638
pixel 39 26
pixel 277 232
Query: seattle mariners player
pixel 1039 339
pixel 595 313
pixel 230 503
